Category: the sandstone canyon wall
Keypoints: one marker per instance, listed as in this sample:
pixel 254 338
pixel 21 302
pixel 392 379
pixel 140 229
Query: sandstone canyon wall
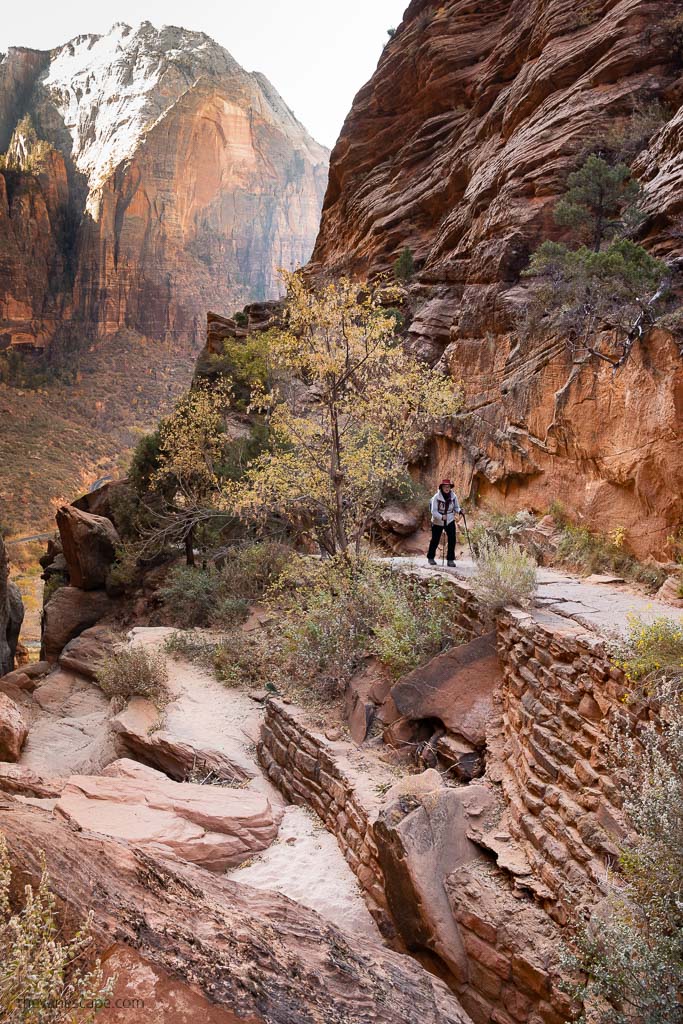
pixel 458 148
pixel 173 180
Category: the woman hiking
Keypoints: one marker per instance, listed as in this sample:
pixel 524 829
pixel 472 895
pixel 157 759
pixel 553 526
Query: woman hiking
pixel 444 507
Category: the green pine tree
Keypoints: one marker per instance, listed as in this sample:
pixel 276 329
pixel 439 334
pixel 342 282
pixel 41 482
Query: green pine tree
pixel 600 201
pixel 404 267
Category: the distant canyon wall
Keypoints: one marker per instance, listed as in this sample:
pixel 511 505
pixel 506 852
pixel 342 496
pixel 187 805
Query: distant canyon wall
pixel 458 148
pixel 172 181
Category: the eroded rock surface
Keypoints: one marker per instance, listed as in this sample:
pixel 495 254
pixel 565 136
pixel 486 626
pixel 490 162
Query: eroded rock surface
pixel 11 615
pixel 455 687
pixel 68 613
pixel 89 545
pixel 13 729
pixel 458 148
pixel 215 946
pixel 84 653
pixel 212 826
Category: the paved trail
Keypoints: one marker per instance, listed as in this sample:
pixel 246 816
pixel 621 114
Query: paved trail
pixel 599 607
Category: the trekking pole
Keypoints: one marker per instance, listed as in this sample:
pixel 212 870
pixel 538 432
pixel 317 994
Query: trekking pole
pixel 464 519
pixel 443 550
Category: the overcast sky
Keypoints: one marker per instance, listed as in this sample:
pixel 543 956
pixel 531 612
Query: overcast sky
pixel 316 53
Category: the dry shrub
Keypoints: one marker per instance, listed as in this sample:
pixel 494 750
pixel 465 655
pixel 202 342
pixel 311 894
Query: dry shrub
pixel 134 672
pixel 504 575
pixel 42 975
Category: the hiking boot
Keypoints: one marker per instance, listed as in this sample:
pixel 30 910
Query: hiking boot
pixel 431 561
pixel 451 565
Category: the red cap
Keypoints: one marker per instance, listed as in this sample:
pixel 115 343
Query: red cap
pixel 446 481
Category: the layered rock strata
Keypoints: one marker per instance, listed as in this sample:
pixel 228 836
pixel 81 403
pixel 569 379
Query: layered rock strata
pixel 458 148
pixel 189 943
pixel 155 178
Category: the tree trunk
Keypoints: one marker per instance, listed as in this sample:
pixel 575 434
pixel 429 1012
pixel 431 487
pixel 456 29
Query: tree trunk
pixel 189 547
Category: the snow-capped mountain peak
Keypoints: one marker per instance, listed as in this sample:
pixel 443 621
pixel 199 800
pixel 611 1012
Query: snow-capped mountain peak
pixel 109 90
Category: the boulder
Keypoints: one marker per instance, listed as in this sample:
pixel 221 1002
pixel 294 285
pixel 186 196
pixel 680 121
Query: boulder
pixel 98 501
pixel 68 613
pixel 671 591
pixel 212 826
pixel 11 615
pixel 364 693
pixel 23 781
pixel 58 567
pixel 18 680
pixel 195 945
pixel 398 519
pixel 421 839
pixel 13 729
pixel 455 687
pixel 84 653
pixel 70 731
pixel 52 551
pixel 89 544
pixel 465 762
pixel 137 733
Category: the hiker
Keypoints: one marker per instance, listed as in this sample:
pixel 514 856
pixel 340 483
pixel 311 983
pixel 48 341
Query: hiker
pixel 444 507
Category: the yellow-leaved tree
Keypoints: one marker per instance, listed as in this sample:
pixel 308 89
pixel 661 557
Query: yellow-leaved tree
pixel 348 410
pixel 192 443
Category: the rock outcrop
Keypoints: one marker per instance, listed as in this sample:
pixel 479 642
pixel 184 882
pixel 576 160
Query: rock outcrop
pixel 194 944
pixel 139 734
pixel 458 148
pixel 89 546
pixel 153 178
pixel 212 826
pixel 13 729
pixel 11 614
pixel 68 613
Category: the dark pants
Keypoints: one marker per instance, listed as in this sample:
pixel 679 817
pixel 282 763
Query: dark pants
pixel 436 537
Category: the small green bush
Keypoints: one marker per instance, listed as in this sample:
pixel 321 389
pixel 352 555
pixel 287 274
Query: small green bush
pixel 624 963
pixel 239 660
pixel 42 976
pixel 404 266
pixel 191 645
pixel 230 611
pixel 52 585
pixel 588 552
pixel 504 575
pixel 125 571
pixel 652 647
pixel 250 570
pixel 190 595
pixel 498 526
pixel 133 672
pixel 145 463
pixel 341 611
pixel 201 597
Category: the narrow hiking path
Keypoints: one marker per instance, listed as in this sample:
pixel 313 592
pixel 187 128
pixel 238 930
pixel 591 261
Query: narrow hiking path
pixel 599 604
pixel 305 862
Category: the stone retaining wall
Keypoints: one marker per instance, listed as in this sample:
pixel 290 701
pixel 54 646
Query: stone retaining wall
pixel 547 750
pixel 311 772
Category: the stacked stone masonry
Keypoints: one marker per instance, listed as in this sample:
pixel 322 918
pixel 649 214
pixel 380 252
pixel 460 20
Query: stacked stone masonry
pixel 548 751
pixel 311 773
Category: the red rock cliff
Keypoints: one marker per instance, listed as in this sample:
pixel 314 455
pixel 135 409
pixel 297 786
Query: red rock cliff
pixel 175 180
pixel 458 148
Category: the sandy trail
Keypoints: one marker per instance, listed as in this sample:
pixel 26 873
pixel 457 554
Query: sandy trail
pixel 305 862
